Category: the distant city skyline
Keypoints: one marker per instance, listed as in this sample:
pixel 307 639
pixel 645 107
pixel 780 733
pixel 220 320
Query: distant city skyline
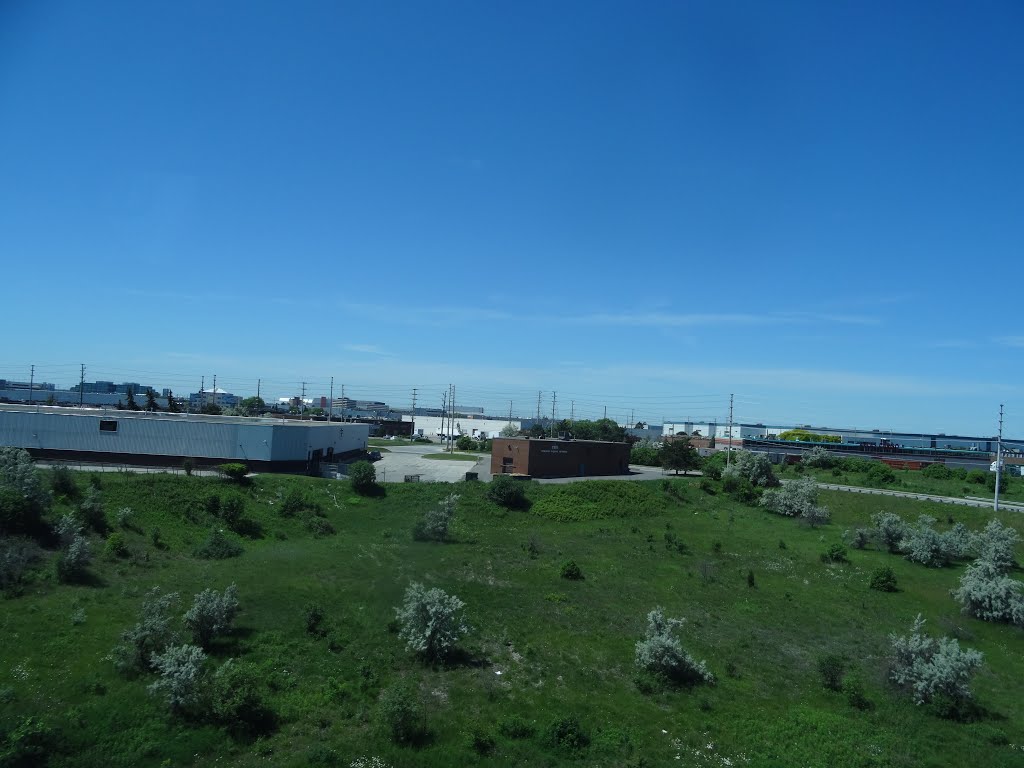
pixel 815 206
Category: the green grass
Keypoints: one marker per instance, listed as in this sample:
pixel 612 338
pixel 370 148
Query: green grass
pixel 380 441
pixel 453 456
pixel 563 647
pixel 914 481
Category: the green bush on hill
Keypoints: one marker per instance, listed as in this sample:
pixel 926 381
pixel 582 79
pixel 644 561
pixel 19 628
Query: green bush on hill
pixel 596 499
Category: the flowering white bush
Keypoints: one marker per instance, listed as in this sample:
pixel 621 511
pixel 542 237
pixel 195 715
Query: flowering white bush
pixel 923 544
pixel 755 467
pixel 929 668
pixel 431 621
pixel 818 457
pixel 435 522
pixel 987 593
pixel 211 614
pixel 797 498
pixel 150 636
pixel 181 676
pixel 660 652
pixel 891 529
pixel 995 544
pixel 76 553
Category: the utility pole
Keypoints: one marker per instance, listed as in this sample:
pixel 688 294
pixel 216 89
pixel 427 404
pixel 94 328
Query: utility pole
pixel 444 410
pixel 31 383
pixel 572 413
pixel 215 389
pixel 302 401
pixel 999 460
pixel 451 407
pixel 330 413
pixel 413 409
pixel 258 382
pixel 538 404
pixel 81 387
pixel 606 411
pixel 509 411
pixel 729 454
pixel 554 395
pixel 202 389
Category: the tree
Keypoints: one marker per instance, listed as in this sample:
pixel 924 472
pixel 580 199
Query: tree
pixel 181 669
pixel 172 404
pixel 678 454
pixel 436 520
pixel 24 498
pixel 987 593
pixel 431 621
pixel 235 471
pixel 536 430
pixel 796 498
pixel 465 443
pixel 996 543
pixel 252 406
pixel 930 668
pixel 891 528
pixel 661 654
pixel 509 430
pixel 506 492
pixel 756 468
pixel 151 404
pixel 130 397
pixel 818 458
pixel 150 636
pixel 211 409
pixel 211 615
pixel 601 429
pixel 363 477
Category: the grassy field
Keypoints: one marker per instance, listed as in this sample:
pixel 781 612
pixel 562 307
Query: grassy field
pixel 562 648
pixel 915 481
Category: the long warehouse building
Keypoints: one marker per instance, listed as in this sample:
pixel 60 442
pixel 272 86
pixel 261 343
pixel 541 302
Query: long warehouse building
pixel 167 439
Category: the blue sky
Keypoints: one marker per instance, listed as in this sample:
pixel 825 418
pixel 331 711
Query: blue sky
pixel 816 206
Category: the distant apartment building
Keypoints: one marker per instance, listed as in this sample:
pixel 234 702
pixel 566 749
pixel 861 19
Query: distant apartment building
pixel 41 386
pixel 217 397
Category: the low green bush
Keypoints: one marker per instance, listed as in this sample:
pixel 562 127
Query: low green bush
pixel 571 571
pixel 507 492
pixel 597 499
pixel 883 579
pixel 218 547
pixel 363 477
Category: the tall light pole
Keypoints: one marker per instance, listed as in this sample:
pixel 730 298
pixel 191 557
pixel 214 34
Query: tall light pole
pixel 999 460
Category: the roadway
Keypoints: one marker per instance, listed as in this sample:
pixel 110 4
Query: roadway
pixel 968 502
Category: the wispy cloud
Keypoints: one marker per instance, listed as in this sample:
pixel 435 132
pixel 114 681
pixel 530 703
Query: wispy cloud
pixel 367 349
pixel 679 320
pixel 1010 341
pixel 951 344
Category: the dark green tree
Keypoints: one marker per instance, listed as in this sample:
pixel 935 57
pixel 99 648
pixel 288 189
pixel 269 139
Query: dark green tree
pixel 601 429
pixel 252 406
pixel 172 404
pixel 151 404
pixel 678 455
pixel 131 404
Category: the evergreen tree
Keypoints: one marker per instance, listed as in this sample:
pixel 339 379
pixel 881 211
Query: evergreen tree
pixel 151 404
pixel 132 405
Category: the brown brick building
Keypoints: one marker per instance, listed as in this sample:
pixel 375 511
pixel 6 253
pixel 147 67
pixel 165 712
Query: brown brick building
pixel 542 457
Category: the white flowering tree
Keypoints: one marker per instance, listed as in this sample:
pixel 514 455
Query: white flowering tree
pixel 181 669
pixel 431 621
pixel 211 614
pixel 929 668
pixel 987 593
pixel 660 652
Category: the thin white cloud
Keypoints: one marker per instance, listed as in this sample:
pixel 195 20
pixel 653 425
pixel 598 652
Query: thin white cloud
pixel 952 344
pixel 682 320
pixel 1010 341
pixel 367 349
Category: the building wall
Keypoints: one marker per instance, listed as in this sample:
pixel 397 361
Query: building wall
pixel 558 458
pixel 165 439
pixel 67 397
pixel 430 426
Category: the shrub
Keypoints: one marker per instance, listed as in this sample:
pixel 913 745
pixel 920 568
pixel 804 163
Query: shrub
pixel 571 571
pixel 211 615
pixel 891 529
pixel 956 543
pixel 995 544
pixel 645 453
pixel 661 654
pixel 516 727
pixel 928 668
pixel 363 477
pixel 150 636
pixel 23 498
pixel 125 518
pixel 832 669
pixel 63 482
pixel 92 512
pixel 567 733
pixel 181 670
pixel 924 545
pixel 234 471
pixel 707 486
pixel 236 699
pixel 17 556
pixel 431 621
pixel 977 477
pixel 853 690
pixel 796 498
pixel 116 545
pixel 314 617
pixel 937 472
pixel 319 526
pixel 859 538
pixel 836 553
pixel 218 547
pixel 883 580
pixel 436 520
pixel 480 740
pixel 751 582
pixel 29 744
pixel 294 502
pixel 400 714
pixel 232 510
pixel 465 443
pixel 76 552
pixel 212 505
pixel 755 468
pixel 506 492
pixel 189 465
pixel 818 458
pixel 987 593
pixel 880 473
pixel 156 538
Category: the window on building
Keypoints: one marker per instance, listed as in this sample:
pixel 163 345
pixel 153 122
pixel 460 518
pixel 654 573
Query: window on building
pixel 108 425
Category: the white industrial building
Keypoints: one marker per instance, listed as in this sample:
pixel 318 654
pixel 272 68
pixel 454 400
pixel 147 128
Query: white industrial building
pixel 166 439
pixel 435 426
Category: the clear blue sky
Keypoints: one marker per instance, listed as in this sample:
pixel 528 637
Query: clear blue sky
pixel 816 206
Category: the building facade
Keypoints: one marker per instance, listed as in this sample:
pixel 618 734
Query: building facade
pixel 167 439
pixel 543 457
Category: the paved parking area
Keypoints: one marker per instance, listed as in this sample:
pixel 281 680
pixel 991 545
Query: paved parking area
pixel 405 460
